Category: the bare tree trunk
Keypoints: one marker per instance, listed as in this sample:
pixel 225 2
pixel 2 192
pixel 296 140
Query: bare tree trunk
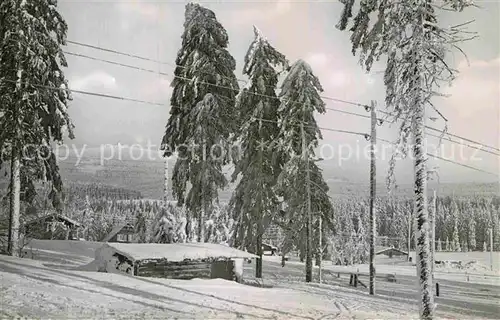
pixel 189 223
pixel 422 232
pixel 260 227
pixel 320 255
pixel 15 203
pixel 309 245
pixel 258 264
pixel 422 215
pixel 201 215
pixel 201 222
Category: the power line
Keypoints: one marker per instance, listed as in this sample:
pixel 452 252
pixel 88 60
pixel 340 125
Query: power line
pixel 179 77
pixel 467 145
pixel 465 139
pixel 116 52
pixel 187 79
pixel 327 108
pixel 451 161
pixel 178 66
pixel 453 135
pixel 366 136
pixel 463 165
pixel 327 129
pixel 101 95
pixel 114 63
pixel 230 88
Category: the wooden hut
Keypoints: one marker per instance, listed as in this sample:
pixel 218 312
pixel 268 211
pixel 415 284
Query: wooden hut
pixel 173 261
pixel 52 227
pixel 269 249
pixel 390 252
pixel 123 232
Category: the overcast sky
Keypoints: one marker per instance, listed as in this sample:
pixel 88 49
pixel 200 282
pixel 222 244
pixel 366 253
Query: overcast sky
pixel 299 29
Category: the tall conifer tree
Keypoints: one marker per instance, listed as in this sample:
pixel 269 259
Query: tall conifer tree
pixel 204 80
pixel 409 34
pixel 299 135
pixel 33 99
pixel 254 200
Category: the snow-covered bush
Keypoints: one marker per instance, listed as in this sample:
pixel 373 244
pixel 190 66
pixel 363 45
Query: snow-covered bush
pixel 170 225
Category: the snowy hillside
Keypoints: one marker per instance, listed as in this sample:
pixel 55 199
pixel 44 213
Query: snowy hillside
pixel 31 289
pixel 52 284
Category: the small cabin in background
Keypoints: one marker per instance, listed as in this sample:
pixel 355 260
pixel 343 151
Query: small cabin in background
pixel 269 250
pixel 390 252
pixel 52 227
pixel 122 233
pixel 173 260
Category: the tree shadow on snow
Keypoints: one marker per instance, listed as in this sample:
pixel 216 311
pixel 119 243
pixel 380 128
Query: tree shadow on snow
pixel 58 283
pixel 135 292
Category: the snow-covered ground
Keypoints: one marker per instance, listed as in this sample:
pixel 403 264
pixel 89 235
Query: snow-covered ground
pixel 477 271
pixel 31 289
pixel 484 259
pixel 51 286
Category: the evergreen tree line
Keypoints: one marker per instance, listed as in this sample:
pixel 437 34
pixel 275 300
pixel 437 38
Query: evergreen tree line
pixel 273 126
pixel 154 220
pixel 462 224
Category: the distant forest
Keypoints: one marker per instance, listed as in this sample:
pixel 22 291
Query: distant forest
pixel 462 222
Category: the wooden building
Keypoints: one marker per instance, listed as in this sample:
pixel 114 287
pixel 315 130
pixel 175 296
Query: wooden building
pixel 390 252
pixel 269 249
pixel 52 227
pixel 173 260
pixel 123 233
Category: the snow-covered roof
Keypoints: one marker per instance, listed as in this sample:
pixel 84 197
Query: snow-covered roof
pixel 57 216
pixel 177 251
pixel 381 250
pixel 115 231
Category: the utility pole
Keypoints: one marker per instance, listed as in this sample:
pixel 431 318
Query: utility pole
pixel 373 181
pixel 305 152
pixel 320 248
pixel 491 248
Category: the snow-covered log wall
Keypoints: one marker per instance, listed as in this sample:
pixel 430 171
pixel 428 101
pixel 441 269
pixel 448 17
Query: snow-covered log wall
pixel 173 261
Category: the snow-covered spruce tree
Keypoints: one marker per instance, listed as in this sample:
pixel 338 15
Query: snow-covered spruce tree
pixel 415 45
pixel 363 248
pixel 207 158
pixel 220 226
pixel 254 201
pixel 170 226
pixel 141 227
pixel 472 233
pixel 32 108
pixel 204 66
pixel 495 212
pixel 301 182
pixel 455 244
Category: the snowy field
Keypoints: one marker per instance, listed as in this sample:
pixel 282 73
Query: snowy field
pixel 50 283
pixel 483 258
pixel 477 266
